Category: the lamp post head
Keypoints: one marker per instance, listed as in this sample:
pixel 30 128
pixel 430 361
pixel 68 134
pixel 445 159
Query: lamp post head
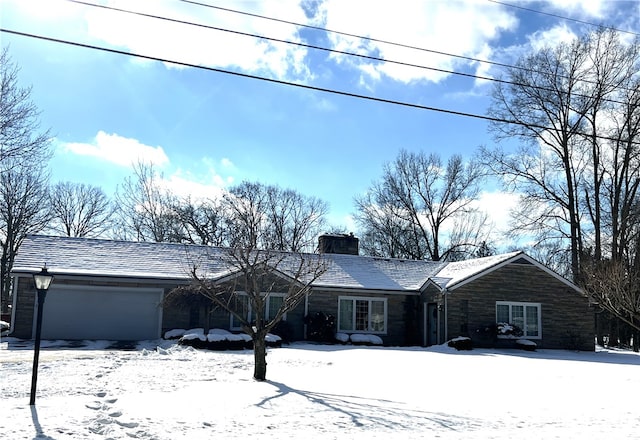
pixel 42 279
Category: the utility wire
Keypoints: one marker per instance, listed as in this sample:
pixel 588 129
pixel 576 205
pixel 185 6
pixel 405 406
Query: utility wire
pixel 321 48
pixel 376 40
pixel 295 43
pixel 288 83
pixel 562 17
pixel 346 34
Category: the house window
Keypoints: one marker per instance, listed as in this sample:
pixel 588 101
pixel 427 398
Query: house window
pixel 243 306
pixel 357 314
pixel 527 316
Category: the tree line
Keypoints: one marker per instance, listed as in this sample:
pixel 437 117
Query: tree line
pixel 570 120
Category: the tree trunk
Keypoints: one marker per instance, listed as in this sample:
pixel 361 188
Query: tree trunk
pixel 259 356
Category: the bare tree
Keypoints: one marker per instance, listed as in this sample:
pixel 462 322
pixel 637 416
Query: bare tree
pixel 615 287
pixel 203 222
pixel 24 150
pixel 294 220
pixel 269 217
pixel 79 210
pixel 254 276
pixel 24 209
pixel 421 209
pixel 573 108
pixel 144 209
pixel 621 186
pixel 609 90
pixel 20 134
pixel 542 99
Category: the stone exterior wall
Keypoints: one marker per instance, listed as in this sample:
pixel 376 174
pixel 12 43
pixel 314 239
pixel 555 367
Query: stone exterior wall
pixel 196 317
pixel 400 320
pixel 567 319
pixel 22 325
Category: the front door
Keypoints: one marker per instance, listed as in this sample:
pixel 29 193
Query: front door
pixel 432 324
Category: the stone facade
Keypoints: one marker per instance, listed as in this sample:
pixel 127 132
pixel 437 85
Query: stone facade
pixel 398 320
pixel 568 321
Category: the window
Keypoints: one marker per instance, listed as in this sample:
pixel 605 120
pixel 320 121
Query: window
pixel 527 316
pixel 243 306
pixel 356 314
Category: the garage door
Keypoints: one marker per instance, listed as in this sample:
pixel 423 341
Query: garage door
pixel 90 312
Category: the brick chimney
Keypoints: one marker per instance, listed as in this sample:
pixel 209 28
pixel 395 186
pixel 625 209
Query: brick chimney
pixel 338 244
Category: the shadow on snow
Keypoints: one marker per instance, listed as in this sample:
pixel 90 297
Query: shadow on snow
pixel 365 412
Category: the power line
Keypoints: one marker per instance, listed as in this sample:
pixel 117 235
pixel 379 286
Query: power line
pixel 562 17
pixel 295 43
pixel 407 46
pixel 287 83
pixel 347 34
pixel 321 48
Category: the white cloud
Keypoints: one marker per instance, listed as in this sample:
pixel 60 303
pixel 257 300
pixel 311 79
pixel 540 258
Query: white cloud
pixel 188 185
pixel 457 27
pixel 118 150
pixel 551 37
pixel 202 46
pixel 582 8
pixel 498 205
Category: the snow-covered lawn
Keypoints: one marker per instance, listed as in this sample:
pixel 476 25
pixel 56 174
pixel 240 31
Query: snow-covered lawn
pixel 165 391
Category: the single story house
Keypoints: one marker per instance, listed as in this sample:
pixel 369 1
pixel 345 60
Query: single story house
pixel 106 289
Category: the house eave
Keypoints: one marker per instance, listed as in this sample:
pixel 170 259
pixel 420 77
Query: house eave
pixel 92 277
pixel 366 291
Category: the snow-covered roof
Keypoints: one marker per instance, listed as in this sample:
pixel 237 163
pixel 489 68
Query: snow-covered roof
pixel 170 261
pixel 456 272
pixel 360 272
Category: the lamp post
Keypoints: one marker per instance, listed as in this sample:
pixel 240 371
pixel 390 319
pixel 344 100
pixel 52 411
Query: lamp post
pixel 42 280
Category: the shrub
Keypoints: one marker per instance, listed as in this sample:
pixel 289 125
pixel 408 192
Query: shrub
pixel 526 344
pixel 365 339
pixel 461 343
pixel 320 327
pixel 219 339
pixel 506 329
pixel 486 336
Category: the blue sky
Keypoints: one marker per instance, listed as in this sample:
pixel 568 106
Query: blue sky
pixel 206 130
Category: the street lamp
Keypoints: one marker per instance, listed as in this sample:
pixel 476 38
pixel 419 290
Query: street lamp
pixel 42 280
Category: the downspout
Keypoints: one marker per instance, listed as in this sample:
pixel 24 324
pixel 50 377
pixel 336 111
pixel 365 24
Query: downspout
pixel 306 313
pixel 14 303
pixel 446 314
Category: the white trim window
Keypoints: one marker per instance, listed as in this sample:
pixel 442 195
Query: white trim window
pixel 527 316
pixel 362 315
pixel 243 305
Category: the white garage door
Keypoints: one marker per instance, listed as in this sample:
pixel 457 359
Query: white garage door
pixel 91 312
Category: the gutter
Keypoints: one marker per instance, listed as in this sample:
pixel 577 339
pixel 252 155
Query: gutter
pixel 365 291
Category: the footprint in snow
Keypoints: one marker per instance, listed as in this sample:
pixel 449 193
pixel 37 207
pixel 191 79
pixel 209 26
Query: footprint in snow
pixel 94 405
pixel 127 424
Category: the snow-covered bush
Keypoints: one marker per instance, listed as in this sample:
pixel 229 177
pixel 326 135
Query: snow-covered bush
pixel 505 329
pixel 175 333
pixel 363 339
pixel 488 335
pixel 526 344
pixel 460 343
pixel 220 339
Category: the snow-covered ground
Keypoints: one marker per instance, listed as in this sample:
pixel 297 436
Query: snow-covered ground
pixel 165 391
